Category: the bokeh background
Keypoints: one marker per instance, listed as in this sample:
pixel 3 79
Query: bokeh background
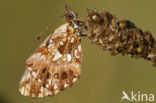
pixel 103 77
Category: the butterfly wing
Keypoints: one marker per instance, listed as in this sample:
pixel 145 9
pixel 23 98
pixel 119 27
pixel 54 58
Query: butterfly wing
pixel 55 65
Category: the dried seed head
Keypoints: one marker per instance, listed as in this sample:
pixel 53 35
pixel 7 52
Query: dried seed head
pixel 120 36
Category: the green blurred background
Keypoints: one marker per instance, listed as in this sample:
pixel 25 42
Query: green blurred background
pixel 103 77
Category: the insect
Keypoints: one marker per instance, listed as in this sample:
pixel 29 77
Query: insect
pixel 56 63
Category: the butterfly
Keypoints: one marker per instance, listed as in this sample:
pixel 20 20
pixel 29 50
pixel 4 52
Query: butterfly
pixel 56 63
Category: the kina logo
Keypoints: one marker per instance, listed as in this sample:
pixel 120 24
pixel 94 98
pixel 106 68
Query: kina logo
pixel 137 96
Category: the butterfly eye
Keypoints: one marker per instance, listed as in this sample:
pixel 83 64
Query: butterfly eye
pixel 69 16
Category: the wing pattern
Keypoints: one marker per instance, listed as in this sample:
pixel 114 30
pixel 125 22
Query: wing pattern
pixel 54 66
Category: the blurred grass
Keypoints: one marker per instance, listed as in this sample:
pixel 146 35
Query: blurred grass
pixel 103 78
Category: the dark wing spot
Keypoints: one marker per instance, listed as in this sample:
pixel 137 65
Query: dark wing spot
pixel 64 75
pixel 44 70
pixel 44 85
pixel 48 75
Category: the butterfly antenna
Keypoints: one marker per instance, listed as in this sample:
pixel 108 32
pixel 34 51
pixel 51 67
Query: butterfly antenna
pixel 36 39
pixel 70 13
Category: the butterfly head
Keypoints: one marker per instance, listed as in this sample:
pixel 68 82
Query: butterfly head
pixel 80 27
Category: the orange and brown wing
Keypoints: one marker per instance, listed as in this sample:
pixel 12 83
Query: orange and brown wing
pixel 55 65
